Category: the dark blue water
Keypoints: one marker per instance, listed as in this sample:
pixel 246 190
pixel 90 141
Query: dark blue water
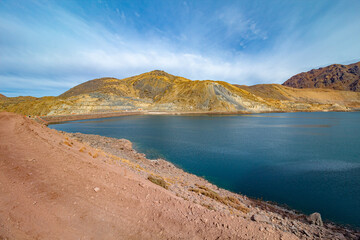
pixel 308 161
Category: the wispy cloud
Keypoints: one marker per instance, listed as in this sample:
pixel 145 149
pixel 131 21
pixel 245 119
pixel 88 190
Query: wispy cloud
pixel 241 26
pixel 49 48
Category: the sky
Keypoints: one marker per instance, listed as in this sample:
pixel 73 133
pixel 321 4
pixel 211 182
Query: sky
pixel 47 47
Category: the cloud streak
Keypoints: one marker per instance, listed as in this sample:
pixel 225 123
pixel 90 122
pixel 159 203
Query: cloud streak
pixel 50 49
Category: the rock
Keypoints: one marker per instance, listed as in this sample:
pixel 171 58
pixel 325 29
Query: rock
pixel 306 233
pixel 260 218
pixel 339 236
pixel 315 218
pixel 96 189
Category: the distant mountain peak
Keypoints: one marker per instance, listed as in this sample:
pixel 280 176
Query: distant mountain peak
pixel 335 76
pixel 159 73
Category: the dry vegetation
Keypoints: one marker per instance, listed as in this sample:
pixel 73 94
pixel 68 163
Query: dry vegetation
pixel 228 201
pixel 82 149
pixel 67 143
pixel 158 181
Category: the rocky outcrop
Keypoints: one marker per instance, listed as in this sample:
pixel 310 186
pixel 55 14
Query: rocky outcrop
pixel 336 76
pixel 315 218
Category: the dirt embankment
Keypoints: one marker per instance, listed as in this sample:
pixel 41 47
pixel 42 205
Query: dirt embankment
pixel 56 187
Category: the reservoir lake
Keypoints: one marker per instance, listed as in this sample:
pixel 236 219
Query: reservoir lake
pixel 307 161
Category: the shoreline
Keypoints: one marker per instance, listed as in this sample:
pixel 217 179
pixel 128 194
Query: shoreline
pixel 53 119
pixel 91 187
pixel 66 118
pixel 249 207
pixel 265 204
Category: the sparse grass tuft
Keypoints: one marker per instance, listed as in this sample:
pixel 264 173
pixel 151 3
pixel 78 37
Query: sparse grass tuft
pixel 233 199
pixel 228 201
pixel 67 143
pixel 82 149
pixel 158 181
pixel 95 155
pixel 208 206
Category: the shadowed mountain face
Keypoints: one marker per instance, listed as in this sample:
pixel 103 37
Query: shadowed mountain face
pixel 336 76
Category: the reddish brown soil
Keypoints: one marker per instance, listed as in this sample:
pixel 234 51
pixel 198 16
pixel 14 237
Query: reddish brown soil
pixel 48 183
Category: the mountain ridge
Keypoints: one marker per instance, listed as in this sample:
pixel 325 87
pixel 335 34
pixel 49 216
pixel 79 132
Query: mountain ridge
pixel 158 91
pixel 335 76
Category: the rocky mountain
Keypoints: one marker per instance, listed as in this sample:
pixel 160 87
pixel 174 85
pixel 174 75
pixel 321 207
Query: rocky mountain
pixel 158 91
pixel 336 76
pixel 2 96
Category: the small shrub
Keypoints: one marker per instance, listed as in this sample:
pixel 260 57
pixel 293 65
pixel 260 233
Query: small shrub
pixel 228 201
pixel 209 193
pixel 82 149
pixel 241 208
pixel 233 199
pixel 95 155
pixel 158 181
pixel 208 206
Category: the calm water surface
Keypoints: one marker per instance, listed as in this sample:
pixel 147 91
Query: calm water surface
pixel 308 161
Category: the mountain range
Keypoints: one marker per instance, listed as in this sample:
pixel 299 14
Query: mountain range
pixel 162 92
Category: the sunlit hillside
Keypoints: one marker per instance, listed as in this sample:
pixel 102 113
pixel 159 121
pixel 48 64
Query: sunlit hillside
pixel 160 91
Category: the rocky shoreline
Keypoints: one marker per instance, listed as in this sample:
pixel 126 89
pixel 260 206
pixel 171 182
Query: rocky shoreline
pixel 57 185
pixel 199 191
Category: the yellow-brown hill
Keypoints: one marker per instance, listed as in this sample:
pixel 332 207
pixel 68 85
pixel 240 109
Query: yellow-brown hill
pixel 2 96
pixel 283 97
pixel 160 91
pixel 336 76
pixel 152 91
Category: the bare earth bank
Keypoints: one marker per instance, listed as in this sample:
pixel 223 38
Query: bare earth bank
pixel 62 186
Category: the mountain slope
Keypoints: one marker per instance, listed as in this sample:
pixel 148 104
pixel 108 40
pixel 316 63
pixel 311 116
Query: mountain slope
pixel 336 76
pixel 158 91
pixel 2 96
pixel 288 96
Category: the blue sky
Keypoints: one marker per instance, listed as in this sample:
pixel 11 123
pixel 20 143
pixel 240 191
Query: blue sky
pixel 47 47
